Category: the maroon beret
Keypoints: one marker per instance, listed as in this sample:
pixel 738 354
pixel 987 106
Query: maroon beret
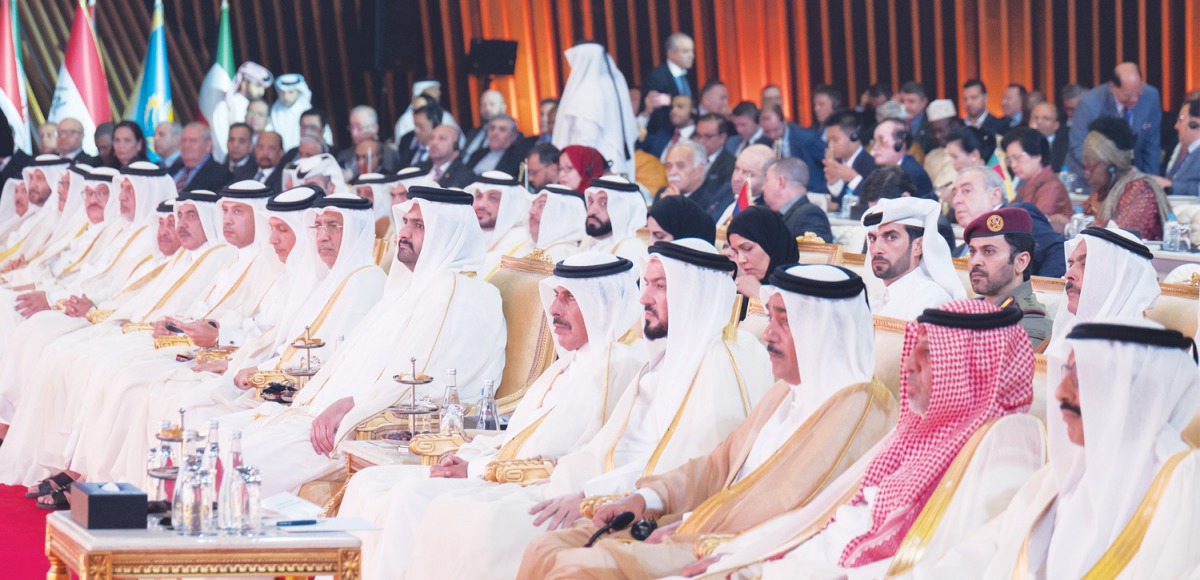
pixel 1008 220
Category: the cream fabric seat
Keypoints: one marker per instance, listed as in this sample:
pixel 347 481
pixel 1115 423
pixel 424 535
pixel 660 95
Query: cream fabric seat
pixel 530 346
pixel 889 346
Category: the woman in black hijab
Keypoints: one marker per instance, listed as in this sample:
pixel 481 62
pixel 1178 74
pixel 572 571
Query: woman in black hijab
pixel 677 217
pixel 758 242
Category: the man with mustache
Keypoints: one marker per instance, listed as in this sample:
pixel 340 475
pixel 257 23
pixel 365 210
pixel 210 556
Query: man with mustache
pixel 564 213
pixel 977 190
pixel 909 257
pixel 818 419
pixel 502 207
pixel 35 234
pixel 615 212
pixel 1118 497
pixel 702 379
pixel 1001 252
pixel 591 302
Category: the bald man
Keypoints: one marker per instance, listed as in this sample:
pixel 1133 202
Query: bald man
pixel 751 166
pixel 446 164
pixel 1125 96
pixel 70 141
pixel 491 105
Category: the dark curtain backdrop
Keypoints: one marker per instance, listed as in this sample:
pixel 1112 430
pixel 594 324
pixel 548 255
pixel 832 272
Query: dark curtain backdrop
pixel 370 51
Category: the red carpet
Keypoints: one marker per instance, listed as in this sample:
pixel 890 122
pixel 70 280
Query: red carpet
pixel 22 536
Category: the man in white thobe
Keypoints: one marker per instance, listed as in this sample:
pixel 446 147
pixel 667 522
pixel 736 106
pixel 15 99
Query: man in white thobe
pixel 249 82
pixel 616 211
pixel 909 257
pixel 502 208
pixel 594 109
pixel 702 379
pixel 557 222
pixel 1119 497
pixel 40 178
pixel 376 188
pixel 433 309
pixel 294 98
pixel 44 447
pixel 591 302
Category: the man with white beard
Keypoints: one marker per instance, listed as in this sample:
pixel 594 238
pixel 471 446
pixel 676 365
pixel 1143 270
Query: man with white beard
pixel 702 379
pixel 557 222
pixel 1118 498
pixel 433 309
pixel 329 302
pixel 32 336
pixel 104 255
pixel 615 212
pixel 502 207
pixel 31 237
pixel 592 302
pixel 37 447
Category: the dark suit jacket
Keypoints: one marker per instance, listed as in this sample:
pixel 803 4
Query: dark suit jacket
pixel 864 164
pixel 211 176
pixel 735 141
pixel 86 159
pixel 806 145
pixel 1060 147
pixel 510 162
pixel 660 79
pixel 993 124
pixel 721 169
pixel 803 217
pixel 470 136
pixel 655 143
pixel 391 159
pixel 923 135
pixel 456 175
pixel 20 160
pixel 247 171
pixel 1147 125
pixel 716 198
pixel 1186 180
pixel 920 179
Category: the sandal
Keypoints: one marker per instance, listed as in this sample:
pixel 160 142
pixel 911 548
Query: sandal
pixel 61 481
pixel 60 502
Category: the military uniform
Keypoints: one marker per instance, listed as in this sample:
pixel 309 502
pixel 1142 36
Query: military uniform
pixel 1035 322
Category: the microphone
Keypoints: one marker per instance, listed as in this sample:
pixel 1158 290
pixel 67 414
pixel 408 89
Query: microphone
pixel 641 531
pixel 618 523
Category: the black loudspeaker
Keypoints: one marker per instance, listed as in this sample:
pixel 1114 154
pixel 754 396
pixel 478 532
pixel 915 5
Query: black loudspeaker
pixel 496 58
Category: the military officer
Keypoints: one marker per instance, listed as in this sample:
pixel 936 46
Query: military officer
pixel 1000 245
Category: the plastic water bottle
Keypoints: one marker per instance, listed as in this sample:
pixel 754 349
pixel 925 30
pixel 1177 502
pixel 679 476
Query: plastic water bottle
pixel 849 200
pixel 1067 178
pixel 1184 244
pixel 1077 224
pixel 488 417
pixel 184 505
pixel 1170 241
pixel 229 518
pixel 214 447
pixel 451 419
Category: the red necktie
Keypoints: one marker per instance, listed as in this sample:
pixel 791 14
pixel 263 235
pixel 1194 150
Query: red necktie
pixel 675 138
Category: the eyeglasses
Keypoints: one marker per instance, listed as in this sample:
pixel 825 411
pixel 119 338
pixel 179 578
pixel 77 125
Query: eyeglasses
pixel 330 228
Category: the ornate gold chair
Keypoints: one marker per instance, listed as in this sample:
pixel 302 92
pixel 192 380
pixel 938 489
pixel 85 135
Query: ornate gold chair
pixel 889 345
pixel 814 250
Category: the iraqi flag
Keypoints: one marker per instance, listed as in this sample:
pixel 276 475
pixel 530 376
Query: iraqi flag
pixel 743 199
pixel 82 90
pixel 14 102
pixel 219 79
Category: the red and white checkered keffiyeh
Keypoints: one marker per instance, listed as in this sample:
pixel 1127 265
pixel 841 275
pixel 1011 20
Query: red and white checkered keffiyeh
pixel 978 375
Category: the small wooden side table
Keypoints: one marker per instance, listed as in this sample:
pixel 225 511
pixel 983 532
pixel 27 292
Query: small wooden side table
pixel 107 554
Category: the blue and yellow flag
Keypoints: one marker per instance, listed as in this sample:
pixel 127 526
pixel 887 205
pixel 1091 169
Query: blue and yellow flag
pixel 154 93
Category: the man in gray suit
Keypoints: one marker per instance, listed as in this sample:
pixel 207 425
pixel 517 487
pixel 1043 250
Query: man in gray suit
pixel 1183 169
pixel 1124 96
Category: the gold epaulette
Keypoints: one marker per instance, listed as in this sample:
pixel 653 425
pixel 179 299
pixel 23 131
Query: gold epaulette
pixel 431 447
pixel 708 543
pixel 173 340
pixel 519 471
pixel 211 355
pixel 589 505
pixel 131 327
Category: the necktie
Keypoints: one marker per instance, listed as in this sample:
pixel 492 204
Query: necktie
pixel 1178 163
pixel 437 174
pixel 259 176
pixel 182 180
pixel 675 138
pixel 682 84
pixel 1129 117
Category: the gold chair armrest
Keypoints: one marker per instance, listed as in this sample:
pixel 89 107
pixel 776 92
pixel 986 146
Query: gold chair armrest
pixel 260 380
pixel 132 327
pixel 96 316
pixel 211 355
pixel 708 543
pixel 519 471
pixel 432 447
pixel 172 341
pixel 589 505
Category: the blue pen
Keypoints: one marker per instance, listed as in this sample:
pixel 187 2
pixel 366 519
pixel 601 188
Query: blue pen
pixel 286 523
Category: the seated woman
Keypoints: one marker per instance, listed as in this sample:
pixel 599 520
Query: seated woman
pixel 758 241
pixel 1121 193
pixel 1029 156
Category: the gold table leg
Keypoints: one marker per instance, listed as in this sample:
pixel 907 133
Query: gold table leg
pixel 58 569
pixel 349 566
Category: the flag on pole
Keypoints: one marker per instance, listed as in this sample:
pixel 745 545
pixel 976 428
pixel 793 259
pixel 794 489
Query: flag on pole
pixel 154 92
pixel 743 198
pixel 82 89
pixel 219 79
pixel 14 101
